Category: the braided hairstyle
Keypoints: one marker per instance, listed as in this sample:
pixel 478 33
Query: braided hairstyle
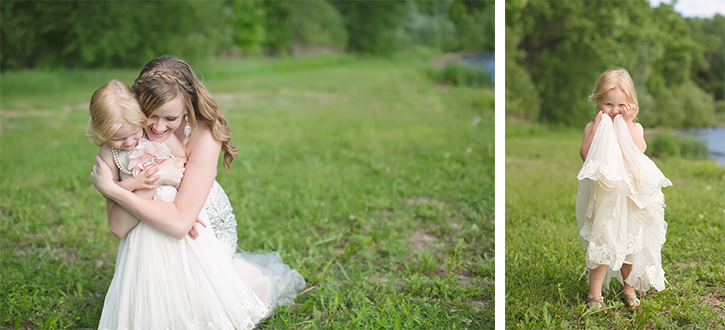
pixel 162 79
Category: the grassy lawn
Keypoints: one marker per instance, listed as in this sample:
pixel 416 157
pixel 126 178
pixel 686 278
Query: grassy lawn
pixel 545 256
pixel 373 182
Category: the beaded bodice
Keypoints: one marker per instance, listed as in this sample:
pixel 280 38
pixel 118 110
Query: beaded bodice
pixel 222 219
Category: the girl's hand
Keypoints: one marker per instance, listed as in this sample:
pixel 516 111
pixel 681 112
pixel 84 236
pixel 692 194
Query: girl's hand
pixel 144 180
pixel 629 112
pixel 171 171
pixel 102 177
pixel 597 120
pixel 193 233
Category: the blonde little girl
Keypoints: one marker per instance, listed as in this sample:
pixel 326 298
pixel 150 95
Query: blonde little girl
pixel 620 205
pixel 116 125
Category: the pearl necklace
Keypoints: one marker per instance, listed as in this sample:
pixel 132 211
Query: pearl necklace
pixel 123 169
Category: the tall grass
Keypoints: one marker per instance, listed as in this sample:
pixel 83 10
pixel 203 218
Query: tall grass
pixel 373 183
pixel 545 257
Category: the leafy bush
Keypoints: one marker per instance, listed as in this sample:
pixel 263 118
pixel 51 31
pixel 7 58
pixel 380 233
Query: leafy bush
pixel 457 74
pixel 667 145
pixel 433 30
pixel 686 105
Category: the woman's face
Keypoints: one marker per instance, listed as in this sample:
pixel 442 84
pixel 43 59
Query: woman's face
pixel 165 120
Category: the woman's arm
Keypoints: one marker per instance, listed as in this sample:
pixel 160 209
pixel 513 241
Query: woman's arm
pixel 177 218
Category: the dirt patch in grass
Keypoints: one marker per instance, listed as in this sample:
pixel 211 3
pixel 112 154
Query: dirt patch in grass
pixel 422 200
pixel 421 241
pixel 478 305
pixel 683 265
pixel 715 300
pixel 382 279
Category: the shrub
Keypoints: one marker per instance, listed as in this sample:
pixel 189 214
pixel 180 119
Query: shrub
pixel 667 145
pixel 457 74
pixel 686 105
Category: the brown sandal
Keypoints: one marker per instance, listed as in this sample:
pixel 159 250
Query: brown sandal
pixel 631 300
pixel 595 302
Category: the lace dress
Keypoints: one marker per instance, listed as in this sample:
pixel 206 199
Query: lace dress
pixel 620 207
pixel 164 283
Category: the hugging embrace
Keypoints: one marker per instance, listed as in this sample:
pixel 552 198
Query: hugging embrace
pixel 178 266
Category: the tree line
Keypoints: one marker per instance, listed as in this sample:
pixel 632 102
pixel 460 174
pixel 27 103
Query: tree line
pixel 555 50
pixel 90 34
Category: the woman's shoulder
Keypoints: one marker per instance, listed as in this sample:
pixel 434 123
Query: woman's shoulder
pixel 202 136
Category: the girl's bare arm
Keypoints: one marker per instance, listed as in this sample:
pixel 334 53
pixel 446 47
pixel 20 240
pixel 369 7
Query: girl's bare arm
pixel 123 224
pixel 589 131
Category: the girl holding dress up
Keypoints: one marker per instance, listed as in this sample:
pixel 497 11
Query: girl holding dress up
pixel 223 289
pixel 619 205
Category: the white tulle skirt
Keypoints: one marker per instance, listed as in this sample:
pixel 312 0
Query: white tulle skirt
pixel 620 208
pixel 164 283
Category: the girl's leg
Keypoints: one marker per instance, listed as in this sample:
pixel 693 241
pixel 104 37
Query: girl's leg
pixel 630 297
pixel 596 278
pixel 626 269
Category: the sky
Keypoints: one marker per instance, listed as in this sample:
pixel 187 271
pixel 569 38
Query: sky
pixel 695 8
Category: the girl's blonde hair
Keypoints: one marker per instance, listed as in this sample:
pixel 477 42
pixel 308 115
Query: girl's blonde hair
pixel 617 78
pixel 113 105
pixel 162 79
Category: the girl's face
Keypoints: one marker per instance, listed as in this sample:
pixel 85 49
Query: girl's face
pixel 165 120
pixel 613 102
pixel 126 138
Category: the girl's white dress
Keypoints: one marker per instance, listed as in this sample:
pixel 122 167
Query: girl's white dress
pixel 164 283
pixel 620 207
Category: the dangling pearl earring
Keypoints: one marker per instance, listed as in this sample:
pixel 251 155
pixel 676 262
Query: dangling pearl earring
pixel 187 128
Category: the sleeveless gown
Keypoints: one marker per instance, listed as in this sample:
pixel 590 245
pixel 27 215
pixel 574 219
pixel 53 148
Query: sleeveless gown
pixel 164 283
pixel 620 208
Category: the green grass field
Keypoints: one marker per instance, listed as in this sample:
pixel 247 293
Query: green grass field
pixel 373 182
pixel 545 256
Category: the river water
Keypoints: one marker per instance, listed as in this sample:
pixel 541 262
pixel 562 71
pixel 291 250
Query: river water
pixel 715 140
pixel 484 61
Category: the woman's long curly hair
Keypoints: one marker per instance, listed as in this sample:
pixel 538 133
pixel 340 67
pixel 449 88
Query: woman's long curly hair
pixel 163 78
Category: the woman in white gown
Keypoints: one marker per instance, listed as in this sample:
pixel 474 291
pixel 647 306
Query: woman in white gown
pixel 172 97
pixel 620 205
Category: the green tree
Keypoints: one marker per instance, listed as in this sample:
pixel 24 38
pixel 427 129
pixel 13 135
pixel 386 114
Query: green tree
pixel 372 25
pixel 709 73
pixel 317 23
pixel 108 33
pixel 522 98
pixel 248 25
pixel 277 20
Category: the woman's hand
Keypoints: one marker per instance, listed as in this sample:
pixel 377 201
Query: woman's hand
pixel 629 112
pixel 171 171
pixel 102 177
